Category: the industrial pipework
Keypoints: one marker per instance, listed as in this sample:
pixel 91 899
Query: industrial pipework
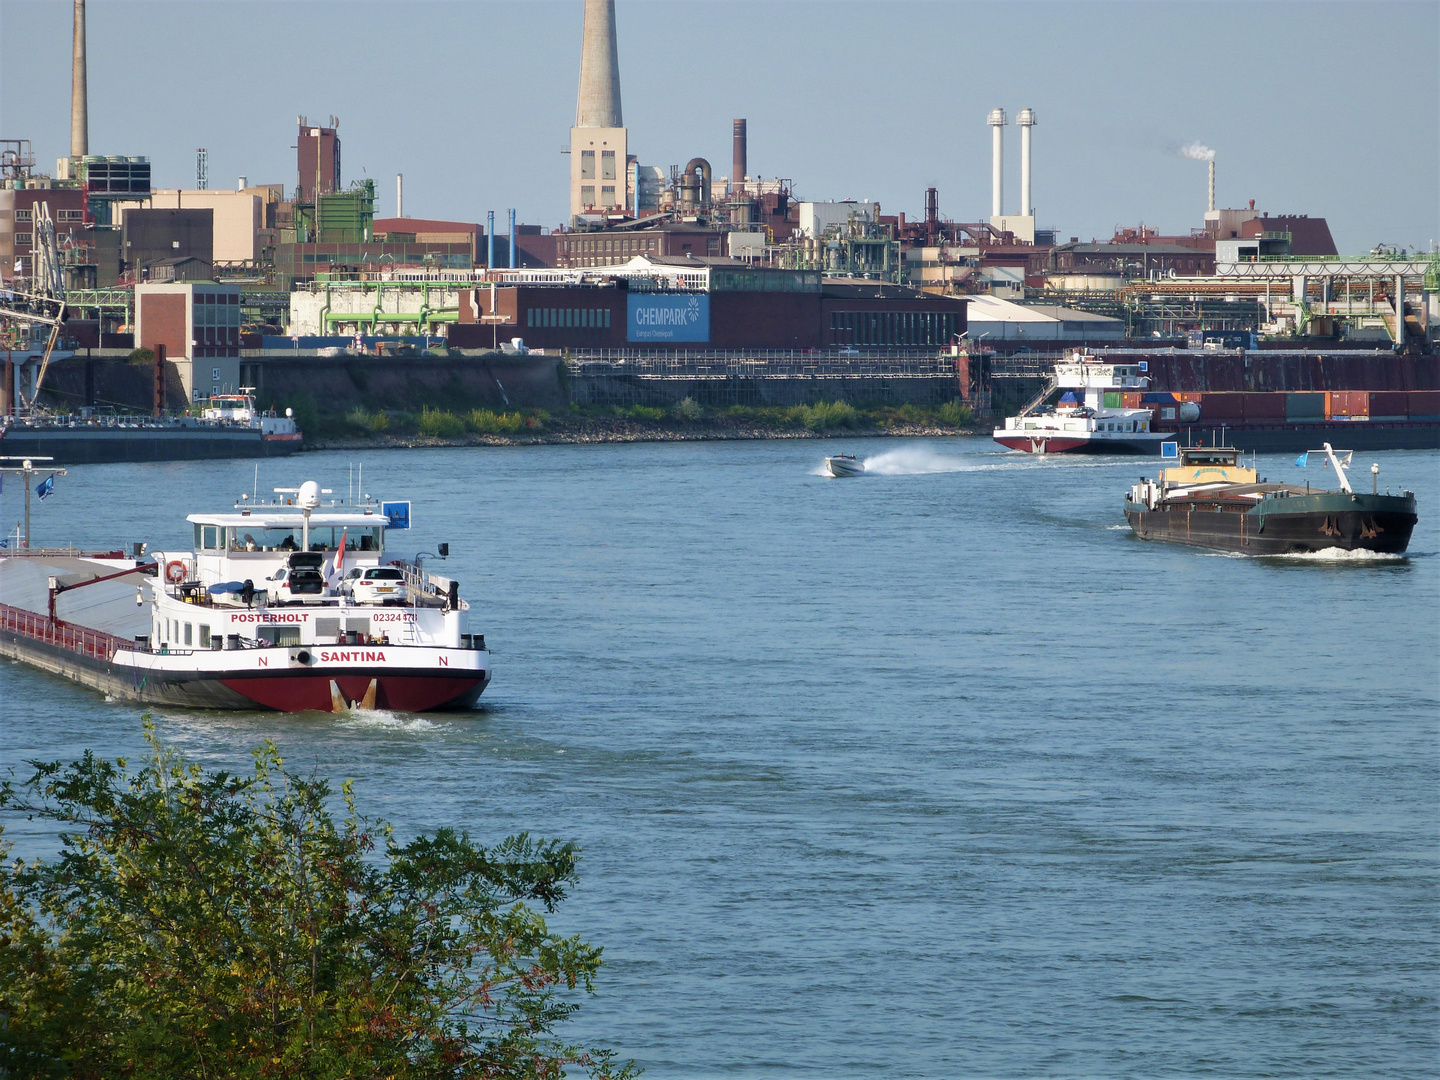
pixel 997 164
pixel 695 184
pixel 1025 121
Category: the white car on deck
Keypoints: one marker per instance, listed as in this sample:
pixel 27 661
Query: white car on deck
pixel 375 585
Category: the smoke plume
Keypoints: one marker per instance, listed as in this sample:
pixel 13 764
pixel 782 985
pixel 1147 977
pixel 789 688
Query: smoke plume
pixel 1197 152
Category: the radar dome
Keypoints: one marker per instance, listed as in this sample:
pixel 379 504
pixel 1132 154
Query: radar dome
pixel 309 495
pixel 1189 412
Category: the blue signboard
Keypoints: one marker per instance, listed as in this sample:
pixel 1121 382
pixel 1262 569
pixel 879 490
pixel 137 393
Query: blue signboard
pixel 397 515
pixel 667 317
pixel 1170 450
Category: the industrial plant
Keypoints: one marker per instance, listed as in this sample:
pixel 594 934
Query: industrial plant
pixel 652 262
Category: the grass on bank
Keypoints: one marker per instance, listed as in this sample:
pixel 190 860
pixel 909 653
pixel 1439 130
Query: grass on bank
pixel 441 423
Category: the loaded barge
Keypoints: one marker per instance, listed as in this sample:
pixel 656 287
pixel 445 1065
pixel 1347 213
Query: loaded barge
pixel 228 426
pixel 283 605
pixel 1210 499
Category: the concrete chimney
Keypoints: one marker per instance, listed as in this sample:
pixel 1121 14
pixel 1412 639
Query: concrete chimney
pixel 1212 183
pixel 399 194
pixel 599 102
pixel 739 167
pixel 79 95
pixel 997 164
pixel 1025 121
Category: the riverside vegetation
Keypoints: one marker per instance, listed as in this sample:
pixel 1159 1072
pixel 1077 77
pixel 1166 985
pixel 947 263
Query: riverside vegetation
pixel 685 419
pixel 204 924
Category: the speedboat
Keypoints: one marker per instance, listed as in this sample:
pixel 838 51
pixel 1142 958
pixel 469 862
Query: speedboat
pixel 844 465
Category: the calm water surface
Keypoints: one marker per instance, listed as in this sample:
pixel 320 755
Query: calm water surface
pixel 932 772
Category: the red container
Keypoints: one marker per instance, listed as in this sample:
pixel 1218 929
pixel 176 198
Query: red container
pixel 1388 403
pixel 1349 403
pixel 1264 406
pixel 1422 403
pixel 1221 406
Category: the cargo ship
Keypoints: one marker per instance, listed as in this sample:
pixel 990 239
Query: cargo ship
pixel 227 426
pixel 283 605
pixel 1210 499
pixel 1097 422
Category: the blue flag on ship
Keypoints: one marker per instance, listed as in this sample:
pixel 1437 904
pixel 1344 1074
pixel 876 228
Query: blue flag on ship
pixel 45 487
pixel 1301 461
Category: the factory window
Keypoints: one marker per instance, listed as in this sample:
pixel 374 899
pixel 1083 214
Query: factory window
pixel 607 194
pixel 607 318
pixel 22 239
pixel 23 215
pixel 72 215
pixel 587 195
pixel 607 165
pixel 529 316
pixel 587 164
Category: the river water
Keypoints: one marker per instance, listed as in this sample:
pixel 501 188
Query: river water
pixel 931 772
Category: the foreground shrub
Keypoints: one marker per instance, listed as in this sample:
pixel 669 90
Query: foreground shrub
pixel 644 412
pixel 206 924
pixel 689 409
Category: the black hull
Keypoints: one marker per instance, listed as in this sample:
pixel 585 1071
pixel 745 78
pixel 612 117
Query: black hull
pixel 106 446
pixel 1380 531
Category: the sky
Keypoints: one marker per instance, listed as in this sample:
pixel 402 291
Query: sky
pixel 1328 109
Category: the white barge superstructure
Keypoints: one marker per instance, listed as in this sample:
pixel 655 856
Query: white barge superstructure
pixel 285 605
pixel 1088 425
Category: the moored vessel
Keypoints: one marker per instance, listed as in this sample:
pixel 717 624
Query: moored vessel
pixel 1210 499
pixel 228 425
pixel 1085 424
pixel 284 605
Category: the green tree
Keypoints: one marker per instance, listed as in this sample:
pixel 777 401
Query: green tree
pixel 204 924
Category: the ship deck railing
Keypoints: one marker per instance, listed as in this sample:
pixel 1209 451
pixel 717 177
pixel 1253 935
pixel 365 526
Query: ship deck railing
pixel 96 644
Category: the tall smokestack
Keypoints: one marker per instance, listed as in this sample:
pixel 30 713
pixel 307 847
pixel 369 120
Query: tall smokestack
pixel 1212 183
pixel 739 167
pixel 599 102
pixel 1025 121
pixel 79 95
pixel 997 164
pixel 399 194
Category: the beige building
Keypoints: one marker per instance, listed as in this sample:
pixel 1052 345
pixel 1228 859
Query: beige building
pixel 239 216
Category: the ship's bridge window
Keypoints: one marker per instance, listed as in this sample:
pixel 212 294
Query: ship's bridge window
pixel 243 539
pixel 327 538
pixel 209 538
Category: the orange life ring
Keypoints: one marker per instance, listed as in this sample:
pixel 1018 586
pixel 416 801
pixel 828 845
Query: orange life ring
pixel 175 571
